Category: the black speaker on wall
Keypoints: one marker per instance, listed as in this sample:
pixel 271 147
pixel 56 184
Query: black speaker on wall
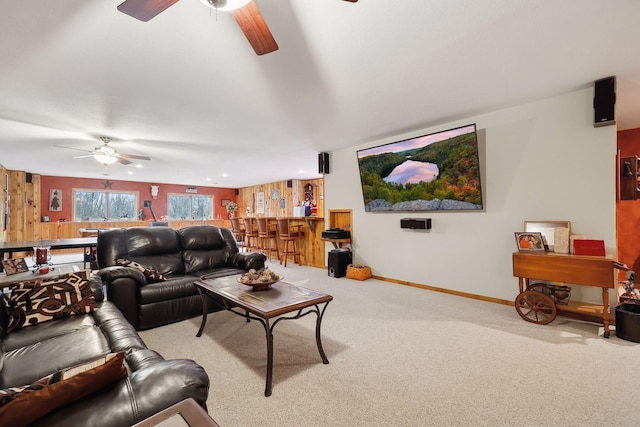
pixel 323 163
pixel 604 102
pixel 29 178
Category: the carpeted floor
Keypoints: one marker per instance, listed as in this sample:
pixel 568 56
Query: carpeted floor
pixel 402 356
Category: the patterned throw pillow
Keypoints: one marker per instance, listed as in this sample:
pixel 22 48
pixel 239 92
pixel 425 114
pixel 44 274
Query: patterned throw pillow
pixel 152 275
pixel 21 406
pixel 36 301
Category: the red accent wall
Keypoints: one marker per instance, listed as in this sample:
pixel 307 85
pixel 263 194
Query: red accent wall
pixel 628 211
pixel 67 185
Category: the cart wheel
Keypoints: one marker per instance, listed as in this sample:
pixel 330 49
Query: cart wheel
pixel 536 307
pixel 607 334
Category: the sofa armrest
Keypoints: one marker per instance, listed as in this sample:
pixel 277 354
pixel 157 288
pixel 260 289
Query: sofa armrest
pixel 248 260
pixel 123 289
pixel 109 274
pixel 142 394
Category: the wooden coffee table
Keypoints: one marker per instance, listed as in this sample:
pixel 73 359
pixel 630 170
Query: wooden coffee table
pixel 264 306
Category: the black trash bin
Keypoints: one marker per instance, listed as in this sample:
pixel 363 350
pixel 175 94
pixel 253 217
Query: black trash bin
pixel 628 322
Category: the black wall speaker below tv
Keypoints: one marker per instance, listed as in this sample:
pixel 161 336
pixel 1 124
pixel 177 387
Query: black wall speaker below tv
pixel 416 223
pixel 604 102
pixel 323 163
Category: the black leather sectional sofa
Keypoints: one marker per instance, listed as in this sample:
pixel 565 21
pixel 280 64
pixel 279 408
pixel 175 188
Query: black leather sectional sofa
pixel 149 384
pixel 179 256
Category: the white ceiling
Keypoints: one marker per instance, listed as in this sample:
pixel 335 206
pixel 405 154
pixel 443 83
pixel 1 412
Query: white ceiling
pixel 187 89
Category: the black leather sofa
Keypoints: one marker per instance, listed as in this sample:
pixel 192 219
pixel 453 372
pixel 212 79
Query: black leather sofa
pixel 151 383
pixel 181 256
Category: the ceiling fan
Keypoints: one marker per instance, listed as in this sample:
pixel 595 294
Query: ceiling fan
pixel 245 12
pixel 107 155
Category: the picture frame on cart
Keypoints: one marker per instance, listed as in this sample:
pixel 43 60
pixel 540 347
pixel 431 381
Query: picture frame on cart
pixel 530 241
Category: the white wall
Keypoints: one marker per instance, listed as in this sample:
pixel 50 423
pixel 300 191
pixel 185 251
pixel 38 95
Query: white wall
pixel 540 161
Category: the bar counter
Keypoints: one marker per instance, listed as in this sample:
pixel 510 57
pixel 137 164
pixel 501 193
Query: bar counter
pixel 312 247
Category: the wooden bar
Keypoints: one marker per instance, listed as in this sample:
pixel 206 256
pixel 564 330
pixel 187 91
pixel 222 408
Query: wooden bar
pixel 312 246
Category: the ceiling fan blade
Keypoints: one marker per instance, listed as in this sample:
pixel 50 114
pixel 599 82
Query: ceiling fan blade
pixel 255 28
pixel 352 1
pixel 73 148
pixel 144 10
pixel 131 156
pixel 84 156
pixel 123 161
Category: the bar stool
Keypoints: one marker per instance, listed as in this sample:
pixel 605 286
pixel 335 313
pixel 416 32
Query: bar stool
pixel 289 234
pixel 252 239
pixel 268 234
pixel 239 233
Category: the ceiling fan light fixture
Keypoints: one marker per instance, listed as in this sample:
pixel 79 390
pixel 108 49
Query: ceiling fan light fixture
pixel 226 5
pixel 105 159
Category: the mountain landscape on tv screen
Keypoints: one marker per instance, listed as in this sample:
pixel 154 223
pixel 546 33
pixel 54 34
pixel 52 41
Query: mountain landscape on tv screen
pixel 423 174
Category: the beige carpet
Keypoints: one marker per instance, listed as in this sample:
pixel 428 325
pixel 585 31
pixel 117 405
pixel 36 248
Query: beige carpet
pixel 401 356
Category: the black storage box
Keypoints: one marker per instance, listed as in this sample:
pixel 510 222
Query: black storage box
pixel 339 259
pixel 628 322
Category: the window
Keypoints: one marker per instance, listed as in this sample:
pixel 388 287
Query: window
pixel 97 205
pixel 184 206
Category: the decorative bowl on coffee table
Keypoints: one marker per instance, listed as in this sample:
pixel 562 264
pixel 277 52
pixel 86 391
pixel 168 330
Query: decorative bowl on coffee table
pixel 261 279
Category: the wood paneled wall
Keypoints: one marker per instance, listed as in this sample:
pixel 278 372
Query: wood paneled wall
pixel 293 192
pixel 24 206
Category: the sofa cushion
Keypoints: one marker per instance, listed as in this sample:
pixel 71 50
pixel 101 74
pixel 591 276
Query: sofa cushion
pixel 43 331
pixel 166 264
pixel 156 247
pixel 204 247
pixel 151 274
pixel 24 365
pixel 23 405
pixel 36 301
pixel 170 289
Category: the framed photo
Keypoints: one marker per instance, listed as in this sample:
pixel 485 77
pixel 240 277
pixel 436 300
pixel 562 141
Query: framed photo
pixel 55 200
pixel 225 202
pixel 547 228
pixel 260 202
pixel 13 266
pixel 530 241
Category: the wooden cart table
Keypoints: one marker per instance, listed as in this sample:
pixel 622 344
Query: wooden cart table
pixel 536 307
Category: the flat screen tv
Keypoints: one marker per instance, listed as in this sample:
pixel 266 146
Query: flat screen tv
pixel 434 172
